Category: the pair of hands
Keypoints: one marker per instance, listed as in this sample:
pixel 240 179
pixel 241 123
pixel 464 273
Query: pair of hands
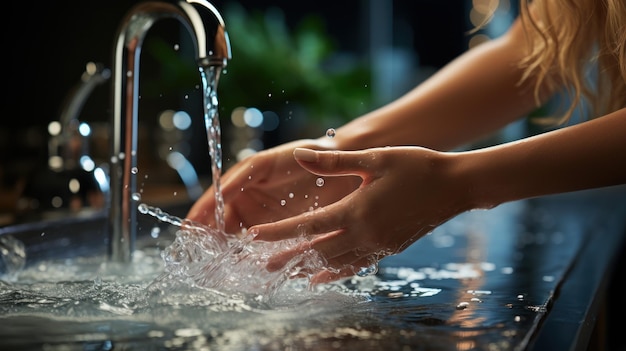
pixel 372 203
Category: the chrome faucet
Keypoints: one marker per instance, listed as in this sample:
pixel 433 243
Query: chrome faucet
pixel 212 49
pixel 62 153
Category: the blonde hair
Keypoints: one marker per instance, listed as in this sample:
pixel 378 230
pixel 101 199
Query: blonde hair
pixel 567 39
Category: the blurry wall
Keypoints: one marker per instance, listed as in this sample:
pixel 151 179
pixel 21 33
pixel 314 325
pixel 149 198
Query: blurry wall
pixel 395 44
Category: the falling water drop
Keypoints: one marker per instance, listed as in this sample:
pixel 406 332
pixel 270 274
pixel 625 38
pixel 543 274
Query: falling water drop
pixel 134 170
pixel 155 232
pixel 331 132
pixel 136 196
pixel 319 181
pixel 283 202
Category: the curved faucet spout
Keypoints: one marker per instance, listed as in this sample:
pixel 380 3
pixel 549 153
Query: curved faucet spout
pixel 212 49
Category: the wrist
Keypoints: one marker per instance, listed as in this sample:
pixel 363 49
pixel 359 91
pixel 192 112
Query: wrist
pixel 477 182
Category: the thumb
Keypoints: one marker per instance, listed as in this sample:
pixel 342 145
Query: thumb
pixel 331 163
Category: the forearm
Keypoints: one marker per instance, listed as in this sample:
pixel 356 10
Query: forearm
pixel 471 97
pixel 584 156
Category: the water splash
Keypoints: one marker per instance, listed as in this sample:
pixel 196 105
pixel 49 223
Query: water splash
pixel 204 257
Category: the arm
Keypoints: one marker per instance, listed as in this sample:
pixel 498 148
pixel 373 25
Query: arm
pixel 472 96
pixel 469 98
pixel 584 156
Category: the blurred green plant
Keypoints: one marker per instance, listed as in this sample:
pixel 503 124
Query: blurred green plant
pixel 276 68
pixel 272 65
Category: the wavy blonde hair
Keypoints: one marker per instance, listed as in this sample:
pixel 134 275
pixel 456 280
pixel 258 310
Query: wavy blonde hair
pixel 579 45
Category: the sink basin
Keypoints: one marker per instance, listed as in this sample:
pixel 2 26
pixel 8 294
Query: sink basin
pixel 485 280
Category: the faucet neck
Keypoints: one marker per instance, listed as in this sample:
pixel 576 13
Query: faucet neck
pixel 212 48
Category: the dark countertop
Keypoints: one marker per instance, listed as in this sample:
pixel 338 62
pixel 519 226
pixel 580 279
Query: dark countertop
pixel 546 263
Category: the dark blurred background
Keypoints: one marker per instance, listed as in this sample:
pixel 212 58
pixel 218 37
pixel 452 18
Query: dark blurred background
pixel 303 67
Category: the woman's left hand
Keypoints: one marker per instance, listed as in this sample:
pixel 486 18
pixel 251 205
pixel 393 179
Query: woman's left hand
pixel 406 192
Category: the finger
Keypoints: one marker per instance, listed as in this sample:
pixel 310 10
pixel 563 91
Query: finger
pixel 332 163
pixel 203 209
pixel 328 246
pixel 320 221
pixel 327 276
pixel 347 269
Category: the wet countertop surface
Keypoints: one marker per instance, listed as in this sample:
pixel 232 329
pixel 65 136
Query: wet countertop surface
pixel 542 265
pixel 527 275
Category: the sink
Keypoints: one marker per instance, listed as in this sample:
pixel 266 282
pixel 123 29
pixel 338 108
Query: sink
pixel 484 280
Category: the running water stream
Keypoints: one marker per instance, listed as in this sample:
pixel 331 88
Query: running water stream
pixel 210 78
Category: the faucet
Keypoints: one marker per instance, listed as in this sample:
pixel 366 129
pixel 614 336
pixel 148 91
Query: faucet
pixel 71 183
pixel 63 150
pixel 212 49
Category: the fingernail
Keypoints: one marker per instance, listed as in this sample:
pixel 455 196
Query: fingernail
pixel 306 155
pixel 253 231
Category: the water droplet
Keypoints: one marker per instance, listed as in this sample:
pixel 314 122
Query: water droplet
pixel 176 47
pixel 155 232
pixel 369 270
pixel 143 208
pixel 283 202
pixel 331 132
pixel 134 170
pixel 291 195
pixel 463 305
pixel 319 181
pixel 136 196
